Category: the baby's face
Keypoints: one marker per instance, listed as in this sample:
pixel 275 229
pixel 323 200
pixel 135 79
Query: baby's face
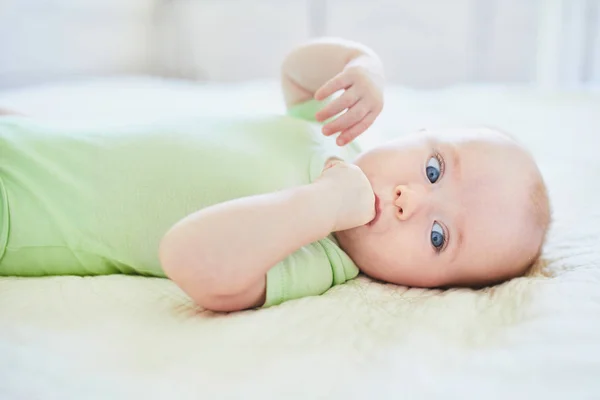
pixel 452 209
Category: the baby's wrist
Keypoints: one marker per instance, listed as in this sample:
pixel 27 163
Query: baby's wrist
pixel 327 204
pixel 371 64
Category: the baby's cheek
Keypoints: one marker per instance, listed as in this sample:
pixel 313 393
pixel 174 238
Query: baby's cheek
pixel 413 253
pixel 396 248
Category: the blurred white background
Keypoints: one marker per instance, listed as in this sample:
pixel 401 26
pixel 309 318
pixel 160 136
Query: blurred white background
pixel 425 43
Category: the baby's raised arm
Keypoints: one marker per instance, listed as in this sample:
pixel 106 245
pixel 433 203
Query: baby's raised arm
pixel 321 67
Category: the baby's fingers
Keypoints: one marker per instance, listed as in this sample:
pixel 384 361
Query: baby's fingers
pixel 350 134
pixel 338 82
pixel 354 114
pixel 347 100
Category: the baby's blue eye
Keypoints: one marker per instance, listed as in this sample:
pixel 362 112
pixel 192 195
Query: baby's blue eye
pixel 437 236
pixel 433 169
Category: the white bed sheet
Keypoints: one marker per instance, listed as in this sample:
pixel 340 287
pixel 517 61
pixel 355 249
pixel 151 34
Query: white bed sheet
pixel 127 337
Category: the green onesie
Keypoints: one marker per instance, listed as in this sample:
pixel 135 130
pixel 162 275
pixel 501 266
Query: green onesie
pixel 96 202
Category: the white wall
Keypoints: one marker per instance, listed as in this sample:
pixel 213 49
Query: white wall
pixel 227 40
pixel 46 39
pixel 425 43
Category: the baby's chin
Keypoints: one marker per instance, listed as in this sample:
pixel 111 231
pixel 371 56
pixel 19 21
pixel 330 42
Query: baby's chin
pixel 349 242
pixel 344 239
pixel 367 259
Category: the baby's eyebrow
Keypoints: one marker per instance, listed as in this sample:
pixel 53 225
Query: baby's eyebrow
pixel 459 224
pixel 456 165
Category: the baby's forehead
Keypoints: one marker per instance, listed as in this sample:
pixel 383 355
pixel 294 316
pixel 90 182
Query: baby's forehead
pixel 494 181
pixel 493 169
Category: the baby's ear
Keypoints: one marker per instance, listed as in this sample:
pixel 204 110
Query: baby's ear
pixel 331 162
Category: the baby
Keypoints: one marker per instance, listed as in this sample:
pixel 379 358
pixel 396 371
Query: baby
pixel 243 213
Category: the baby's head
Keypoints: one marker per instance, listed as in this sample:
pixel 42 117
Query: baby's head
pixel 460 207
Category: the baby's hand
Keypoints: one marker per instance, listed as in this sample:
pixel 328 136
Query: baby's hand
pixel 348 195
pixel 362 98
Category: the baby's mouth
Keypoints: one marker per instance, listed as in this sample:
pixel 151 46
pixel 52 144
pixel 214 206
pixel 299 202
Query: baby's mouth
pixel 377 211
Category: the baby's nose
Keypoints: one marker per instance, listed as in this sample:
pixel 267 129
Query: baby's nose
pixel 408 201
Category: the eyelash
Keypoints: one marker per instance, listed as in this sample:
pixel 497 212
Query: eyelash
pixel 440 159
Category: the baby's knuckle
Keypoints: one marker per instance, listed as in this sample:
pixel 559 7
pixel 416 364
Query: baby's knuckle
pixel 351 98
pixel 362 109
pixel 364 124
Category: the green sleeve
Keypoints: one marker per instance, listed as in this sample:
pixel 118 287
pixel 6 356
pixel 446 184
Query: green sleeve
pixel 310 271
pixel 307 110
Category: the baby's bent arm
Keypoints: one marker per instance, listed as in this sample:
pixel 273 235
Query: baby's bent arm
pixel 220 255
pixel 310 65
